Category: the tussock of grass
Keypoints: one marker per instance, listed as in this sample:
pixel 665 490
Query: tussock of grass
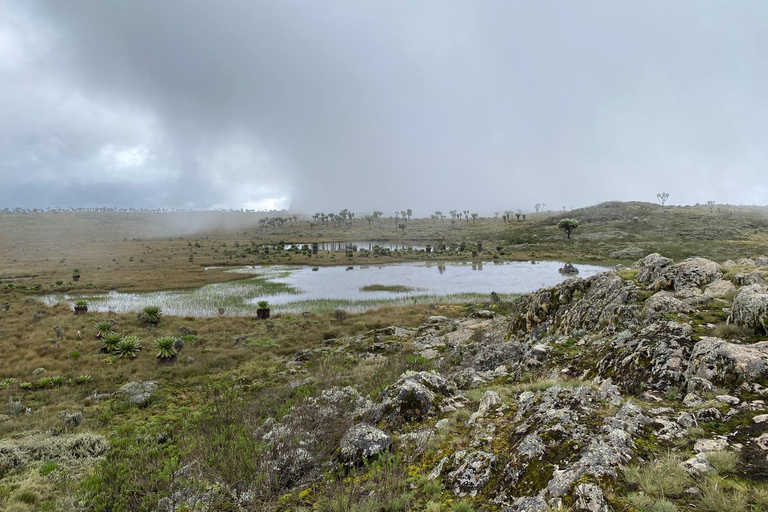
pixel 731 331
pixel 663 478
pixel 645 503
pixel 724 461
pixel 723 495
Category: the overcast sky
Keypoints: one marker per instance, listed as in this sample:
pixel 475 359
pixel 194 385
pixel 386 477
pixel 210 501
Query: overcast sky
pixel 387 105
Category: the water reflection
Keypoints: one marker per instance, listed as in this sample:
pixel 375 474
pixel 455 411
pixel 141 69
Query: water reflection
pixel 358 246
pixel 344 284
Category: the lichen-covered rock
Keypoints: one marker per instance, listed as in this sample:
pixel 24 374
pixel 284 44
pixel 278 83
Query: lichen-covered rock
pixel 750 307
pixel 590 497
pixel 138 393
pixel 603 301
pixel 339 401
pixel 661 274
pixel 695 273
pixel 719 288
pixel 561 438
pixel 728 365
pixel 697 465
pixel 761 261
pixel 651 267
pixel 664 303
pixel 710 445
pixel 363 441
pixel 491 356
pixel 414 396
pixel 748 278
pixel 466 472
pixel 469 378
pixel 490 399
pixel 654 358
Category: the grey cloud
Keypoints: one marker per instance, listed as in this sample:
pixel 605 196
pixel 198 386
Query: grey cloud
pixel 380 105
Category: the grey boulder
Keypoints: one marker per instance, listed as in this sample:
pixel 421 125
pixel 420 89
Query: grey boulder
pixel 363 441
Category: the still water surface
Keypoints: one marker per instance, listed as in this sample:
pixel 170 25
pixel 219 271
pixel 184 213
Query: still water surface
pixel 303 288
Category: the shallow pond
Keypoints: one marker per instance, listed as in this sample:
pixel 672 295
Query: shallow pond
pixel 326 288
pixel 357 246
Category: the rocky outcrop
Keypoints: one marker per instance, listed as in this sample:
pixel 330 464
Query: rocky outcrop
pixel 466 472
pixel 719 289
pixel 654 358
pixel 560 439
pixel 750 308
pixel 363 441
pixel 659 273
pixel 748 278
pixel 138 393
pixel 694 273
pixel 727 365
pixel 415 396
pixel 601 302
pixel 664 303
pixel 652 267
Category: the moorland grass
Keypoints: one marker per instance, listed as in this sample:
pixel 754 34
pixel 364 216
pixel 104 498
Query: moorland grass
pixel 395 288
pixel 144 251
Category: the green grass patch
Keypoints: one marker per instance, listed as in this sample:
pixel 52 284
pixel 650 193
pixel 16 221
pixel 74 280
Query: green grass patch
pixel 394 288
pixel 261 342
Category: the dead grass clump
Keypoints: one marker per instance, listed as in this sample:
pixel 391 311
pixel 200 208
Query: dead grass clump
pixel 731 331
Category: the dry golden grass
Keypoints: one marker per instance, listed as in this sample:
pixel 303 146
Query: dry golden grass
pixel 28 341
pixel 150 251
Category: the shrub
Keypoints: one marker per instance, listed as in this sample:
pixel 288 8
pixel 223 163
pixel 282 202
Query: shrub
pixel 81 306
pixel 129 346
pixel 138 471
pixel 104 327
pixel 150 315
pixel 263 304
pixel 83 379
pixel 6 383
pixel 110 341
pixel 14 408
pixel 166 348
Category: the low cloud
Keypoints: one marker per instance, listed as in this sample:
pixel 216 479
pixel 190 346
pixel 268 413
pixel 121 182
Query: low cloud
pixel 431 105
